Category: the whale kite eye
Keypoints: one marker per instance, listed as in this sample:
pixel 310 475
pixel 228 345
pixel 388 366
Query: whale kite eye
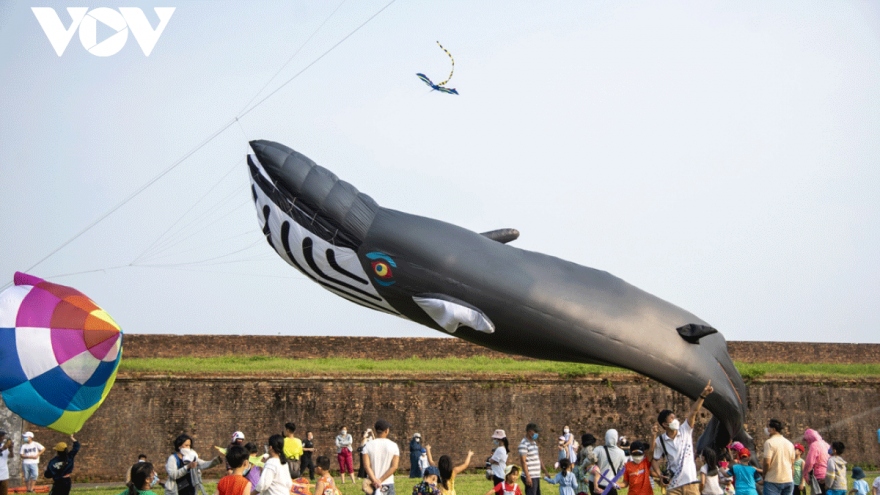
pixel 381 269
pixel 382 265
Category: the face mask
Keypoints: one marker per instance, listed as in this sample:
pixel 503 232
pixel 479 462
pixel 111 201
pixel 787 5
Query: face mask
pixel 534 436
pixel 767 431
pixel 344 433
pixel 565 430
pixel 154 480
pixel 246 471
pixel 418 439
pixel 830 452
pixel 674 425
pixel 185 452
pixel 496 443
pixel 638 458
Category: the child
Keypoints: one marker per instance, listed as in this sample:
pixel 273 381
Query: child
pixel 745 476
pixel 235 483
pixel 564 478
pixel 637 472
pixel 709 482
pixel 797 470
pixel 326 484
pixel 835 476
pixel 60 467
pixel 428 486
pixel 860 486
pixel 509 486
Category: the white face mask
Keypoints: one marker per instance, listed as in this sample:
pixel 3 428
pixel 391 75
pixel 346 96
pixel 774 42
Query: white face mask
pixel 565 430
pixel 767 431
pixel 344 433
pixel 154 480
pixel 187 453
pixel 674 425
pixel 638 458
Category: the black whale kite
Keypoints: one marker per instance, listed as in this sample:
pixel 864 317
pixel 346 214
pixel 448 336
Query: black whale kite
pixel 484 291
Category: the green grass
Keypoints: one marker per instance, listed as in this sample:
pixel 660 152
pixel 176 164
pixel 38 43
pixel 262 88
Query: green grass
pixel 470 365
pixel 465 484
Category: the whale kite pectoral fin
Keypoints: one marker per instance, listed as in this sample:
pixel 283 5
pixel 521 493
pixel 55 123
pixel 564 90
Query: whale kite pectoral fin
pixel 502 235
pixel 451 313
pixel 693 332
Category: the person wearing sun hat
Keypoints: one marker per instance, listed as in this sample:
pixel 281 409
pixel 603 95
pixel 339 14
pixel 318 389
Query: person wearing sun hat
pixel 860 486
pixel 498 461
pixel 60 467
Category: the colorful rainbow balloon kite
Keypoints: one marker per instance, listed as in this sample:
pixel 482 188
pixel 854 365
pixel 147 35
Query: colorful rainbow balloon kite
pixel 59 353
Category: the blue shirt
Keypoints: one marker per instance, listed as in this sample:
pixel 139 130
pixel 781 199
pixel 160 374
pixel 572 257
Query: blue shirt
pixel 744 479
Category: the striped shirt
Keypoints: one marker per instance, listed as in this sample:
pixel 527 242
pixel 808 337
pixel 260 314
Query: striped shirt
pixel 529 450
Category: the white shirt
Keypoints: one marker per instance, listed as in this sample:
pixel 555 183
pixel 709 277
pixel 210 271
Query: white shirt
pixel 275 479
pixel 500 457
pixel 681 456
pixel 712 487
pixel 4 466
pixel 877 483
pixel 31 448
pixel 382 452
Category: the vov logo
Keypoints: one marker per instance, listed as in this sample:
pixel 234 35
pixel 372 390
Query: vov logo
pixel 86 21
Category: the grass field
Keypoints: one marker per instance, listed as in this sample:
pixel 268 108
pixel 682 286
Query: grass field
pixel 465 484
pixel 471 365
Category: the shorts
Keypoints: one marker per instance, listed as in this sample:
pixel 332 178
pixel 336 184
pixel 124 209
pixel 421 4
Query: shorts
pixel 29 471
pixel 689 489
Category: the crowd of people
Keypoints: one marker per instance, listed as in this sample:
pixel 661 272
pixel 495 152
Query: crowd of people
pixel 582 467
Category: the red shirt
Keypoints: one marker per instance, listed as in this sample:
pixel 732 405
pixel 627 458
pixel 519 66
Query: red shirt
pixel 638 477
pixel 232 484
pixel 504 489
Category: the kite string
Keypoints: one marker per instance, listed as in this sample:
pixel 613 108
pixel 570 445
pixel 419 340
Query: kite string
pixel 204 143
pixel 453 65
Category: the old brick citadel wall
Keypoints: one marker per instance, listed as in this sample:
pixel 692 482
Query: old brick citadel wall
pixel 141 346
pixel 453 413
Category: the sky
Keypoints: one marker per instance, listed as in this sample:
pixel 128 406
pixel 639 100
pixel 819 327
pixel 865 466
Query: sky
pixel 720 155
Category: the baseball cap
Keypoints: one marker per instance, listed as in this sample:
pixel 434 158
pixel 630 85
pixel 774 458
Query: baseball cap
pixel 60 447
pixel 237 435
pixel 744 452
pixel 798 446
pixel 499 434
pixel 510 468
pixel 28 434
pixel 417 435
pixel 431 470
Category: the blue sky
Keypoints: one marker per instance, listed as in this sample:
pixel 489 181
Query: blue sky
pixel 720 155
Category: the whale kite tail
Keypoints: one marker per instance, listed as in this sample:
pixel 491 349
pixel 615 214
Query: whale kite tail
pixel 715 437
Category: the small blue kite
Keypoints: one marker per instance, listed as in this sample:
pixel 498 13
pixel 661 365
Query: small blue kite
pixel 441 86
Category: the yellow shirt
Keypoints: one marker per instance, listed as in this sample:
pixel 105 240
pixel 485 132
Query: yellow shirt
pixel 293 448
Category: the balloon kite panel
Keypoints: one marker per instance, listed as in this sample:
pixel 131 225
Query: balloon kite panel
pixel 59 353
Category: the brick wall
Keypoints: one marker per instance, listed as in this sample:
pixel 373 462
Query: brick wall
pixel 453 414
pixel 377 348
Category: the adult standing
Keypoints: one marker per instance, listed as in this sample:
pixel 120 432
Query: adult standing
pixel 415 452
pixel 60 467
pixel 343 454
pixel 816 463
pixel 568 444
pixel 307 461
pixel 498 461
pixel 531 460
pixel 610 460
pixel 6 447
pixel 184 468
pixel 778 461
pixel 365 439
pixel 381 458
pixel 293 450
pixel 30 459
pixel 275 478
pixel 676 446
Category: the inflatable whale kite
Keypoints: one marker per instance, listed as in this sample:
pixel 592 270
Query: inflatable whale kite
pixel 485 291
